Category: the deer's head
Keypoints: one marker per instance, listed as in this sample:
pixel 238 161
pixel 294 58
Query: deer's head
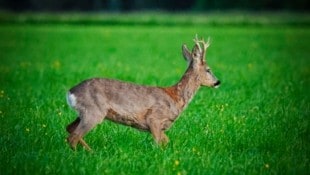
pixel 197 62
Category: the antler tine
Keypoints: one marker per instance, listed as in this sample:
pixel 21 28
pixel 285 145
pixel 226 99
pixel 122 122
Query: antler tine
pixel 202 41
pixel 196 39
pixel 206 45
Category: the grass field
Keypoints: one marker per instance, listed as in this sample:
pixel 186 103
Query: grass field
pixel 257 122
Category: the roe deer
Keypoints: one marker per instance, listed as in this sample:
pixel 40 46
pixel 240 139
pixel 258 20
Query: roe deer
pixel 148 108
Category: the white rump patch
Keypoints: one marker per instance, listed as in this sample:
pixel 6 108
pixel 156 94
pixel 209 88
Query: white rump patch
pixel 71 99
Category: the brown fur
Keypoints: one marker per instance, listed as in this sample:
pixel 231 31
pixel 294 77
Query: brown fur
pixel 172 92
pixel 152 109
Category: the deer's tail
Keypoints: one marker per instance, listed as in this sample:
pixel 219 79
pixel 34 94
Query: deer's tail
pixel 71 99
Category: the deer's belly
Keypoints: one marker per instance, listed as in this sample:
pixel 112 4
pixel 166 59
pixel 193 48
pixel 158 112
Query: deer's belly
pixel 135 120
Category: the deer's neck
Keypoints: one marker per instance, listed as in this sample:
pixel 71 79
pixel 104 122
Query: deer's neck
pixel 185 89
pixel 187 86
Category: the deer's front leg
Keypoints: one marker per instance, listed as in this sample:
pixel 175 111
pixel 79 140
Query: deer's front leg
pixel 164 139
pixel 157 131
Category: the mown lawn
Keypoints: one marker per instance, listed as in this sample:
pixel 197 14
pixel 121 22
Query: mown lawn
pixel 257 122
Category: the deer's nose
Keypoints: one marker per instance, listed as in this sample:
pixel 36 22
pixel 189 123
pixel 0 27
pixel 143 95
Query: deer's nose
pixel 217 84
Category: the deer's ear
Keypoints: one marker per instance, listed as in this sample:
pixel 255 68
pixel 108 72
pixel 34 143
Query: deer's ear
pixel 186 54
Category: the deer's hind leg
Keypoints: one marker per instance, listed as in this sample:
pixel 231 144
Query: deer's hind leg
pixel 87 121
pixel 71 127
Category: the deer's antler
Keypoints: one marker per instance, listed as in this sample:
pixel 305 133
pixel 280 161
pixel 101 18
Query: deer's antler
pixel 202 41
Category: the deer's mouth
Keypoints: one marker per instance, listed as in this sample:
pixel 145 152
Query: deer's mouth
pixel 217 84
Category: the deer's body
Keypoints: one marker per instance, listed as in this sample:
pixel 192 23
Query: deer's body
pixel 147 108
pixel 110 99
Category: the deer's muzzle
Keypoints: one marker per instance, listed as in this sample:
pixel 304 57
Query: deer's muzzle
pixel 217 84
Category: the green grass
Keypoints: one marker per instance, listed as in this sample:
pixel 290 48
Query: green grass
pixel 257 122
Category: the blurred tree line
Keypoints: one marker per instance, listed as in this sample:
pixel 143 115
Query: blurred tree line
pixel 145 5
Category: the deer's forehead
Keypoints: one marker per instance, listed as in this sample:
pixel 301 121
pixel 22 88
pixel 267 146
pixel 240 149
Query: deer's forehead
pixel 201 63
